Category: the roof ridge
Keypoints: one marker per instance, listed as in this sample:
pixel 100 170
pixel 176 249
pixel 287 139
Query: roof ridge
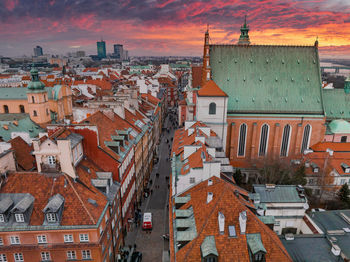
pixel 79 198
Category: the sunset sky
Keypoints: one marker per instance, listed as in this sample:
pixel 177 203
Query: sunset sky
pixel 170 27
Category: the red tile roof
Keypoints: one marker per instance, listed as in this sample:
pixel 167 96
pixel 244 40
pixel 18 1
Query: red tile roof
pixel 206 220
pixel 196 76
pixel 211 89
pixel 24 158
pixel 340 147
pixel 77 209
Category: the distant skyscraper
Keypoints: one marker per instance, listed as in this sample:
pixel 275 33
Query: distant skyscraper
pixel 118 51
pixel 101 49
pixel 38 51
pixel 80 53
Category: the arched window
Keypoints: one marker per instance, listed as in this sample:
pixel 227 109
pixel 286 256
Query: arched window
pixel 6 109
pixel 306 138
pixel 285 140
pixel 208 75
pixel 242 139
pixel 45 98
pixel 33 100
pixel 264 137
pixel 47 111
pixel 21 108
pixel 35 113
pixel 212 109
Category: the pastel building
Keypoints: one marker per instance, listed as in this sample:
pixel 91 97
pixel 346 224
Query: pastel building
pixel 43 104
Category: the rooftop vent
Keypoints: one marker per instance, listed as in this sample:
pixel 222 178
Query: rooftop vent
pixel 221 219
pixel 335 250
pixel 270 186
pixel 289 236
pixel 345 217
pixel 243 221
pixel 209 197
pixel 210 182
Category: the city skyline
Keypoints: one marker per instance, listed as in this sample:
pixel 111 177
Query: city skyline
pixel 170 27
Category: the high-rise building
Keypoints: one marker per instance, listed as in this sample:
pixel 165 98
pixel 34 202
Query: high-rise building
pixel 38 51
pixel 101 49
pixel 118 51
pixel 80 53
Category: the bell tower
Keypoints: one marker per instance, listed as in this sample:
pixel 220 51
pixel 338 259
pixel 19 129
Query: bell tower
pixel 244 37
pixel 206 58
pixel 38 103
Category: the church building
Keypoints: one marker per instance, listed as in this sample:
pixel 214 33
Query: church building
pixel 266 101
pixel 43 104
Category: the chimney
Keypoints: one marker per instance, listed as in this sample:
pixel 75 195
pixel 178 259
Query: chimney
pixel 243 221
pixel 221 220
pixel 209 197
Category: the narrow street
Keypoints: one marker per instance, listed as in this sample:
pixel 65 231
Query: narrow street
pixel 152 245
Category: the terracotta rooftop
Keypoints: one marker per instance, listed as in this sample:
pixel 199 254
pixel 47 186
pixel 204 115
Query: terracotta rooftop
pixel 211 89
pixel 78 210
pixel 337 147
pixel 24 158
pixel 206 223
pixel 196 76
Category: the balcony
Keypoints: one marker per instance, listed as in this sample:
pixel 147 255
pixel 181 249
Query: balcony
pixel 47 168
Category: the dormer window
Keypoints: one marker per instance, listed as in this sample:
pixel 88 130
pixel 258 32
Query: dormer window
pixel 22 209
pixel 208 250
pixel 53 210
pixel 2 218
pixel 51 217
pixel 19 218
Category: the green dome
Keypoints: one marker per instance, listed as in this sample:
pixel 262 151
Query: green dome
pixel 339 126
pixel 35 84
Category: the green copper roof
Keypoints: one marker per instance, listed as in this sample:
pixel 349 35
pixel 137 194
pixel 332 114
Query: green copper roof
pixel 25 124
pixel 278 194
pixel 267 219
pixel 35 84
pixel 339 126
pixel 268 79
pixel 20 93
pixel 336 104
pixel 255 244
pixel 208 246
pixel 13 93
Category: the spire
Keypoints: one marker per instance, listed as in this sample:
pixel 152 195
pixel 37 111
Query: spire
pixel 35 83
pixel 244 37
pixel 316 42
pixel 206 57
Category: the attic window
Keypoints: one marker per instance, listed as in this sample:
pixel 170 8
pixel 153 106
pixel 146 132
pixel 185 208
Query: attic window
pixel 232 231
pixel 51 217
pixel 19 218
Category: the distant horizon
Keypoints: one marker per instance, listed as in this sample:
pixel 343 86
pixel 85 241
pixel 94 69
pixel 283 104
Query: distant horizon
pixel 170 27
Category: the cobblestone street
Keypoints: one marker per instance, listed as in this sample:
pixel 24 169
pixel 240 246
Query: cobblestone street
pixel 152 245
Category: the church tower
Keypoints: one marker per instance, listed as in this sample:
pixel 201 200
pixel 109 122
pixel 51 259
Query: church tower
pixel 206 58
pixel 38 103
pixel 244 37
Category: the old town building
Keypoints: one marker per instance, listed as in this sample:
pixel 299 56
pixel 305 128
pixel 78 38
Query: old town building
pixel 43 104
